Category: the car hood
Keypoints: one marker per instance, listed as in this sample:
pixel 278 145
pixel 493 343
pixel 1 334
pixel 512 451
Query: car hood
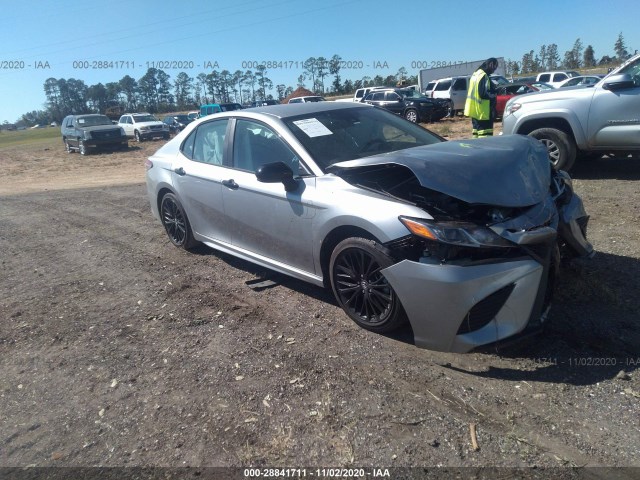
pixel 509 171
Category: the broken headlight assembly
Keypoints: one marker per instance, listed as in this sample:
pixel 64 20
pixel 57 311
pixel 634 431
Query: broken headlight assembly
pixel 460 234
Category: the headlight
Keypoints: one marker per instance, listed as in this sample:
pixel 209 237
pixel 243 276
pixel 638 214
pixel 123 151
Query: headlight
pixel 455 233
pixel 512 108
pixel 144 128
pixel 122 134
pixel 86 135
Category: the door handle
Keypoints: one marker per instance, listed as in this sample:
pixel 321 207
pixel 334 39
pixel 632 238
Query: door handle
pixel 180 171
pixel 231 183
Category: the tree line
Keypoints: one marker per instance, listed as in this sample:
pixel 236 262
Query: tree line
pixel 157 92
pixel 578 57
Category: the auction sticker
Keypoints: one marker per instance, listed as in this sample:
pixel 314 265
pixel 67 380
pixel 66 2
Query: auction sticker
pixel 312 127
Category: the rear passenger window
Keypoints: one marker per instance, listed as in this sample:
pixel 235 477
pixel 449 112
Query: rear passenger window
pixel 446 85
pixel 206 143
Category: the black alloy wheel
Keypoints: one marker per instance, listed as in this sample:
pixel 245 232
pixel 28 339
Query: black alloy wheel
pixel 361 289
pixel 176 223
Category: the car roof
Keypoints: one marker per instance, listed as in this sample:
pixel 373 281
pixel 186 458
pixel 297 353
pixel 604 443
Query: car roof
pixel 294 109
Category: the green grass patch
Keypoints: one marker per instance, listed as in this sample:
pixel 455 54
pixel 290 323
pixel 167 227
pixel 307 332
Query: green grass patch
pixel 28 137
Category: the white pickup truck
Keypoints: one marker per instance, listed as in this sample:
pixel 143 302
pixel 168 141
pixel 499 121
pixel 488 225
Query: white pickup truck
pixel 590 120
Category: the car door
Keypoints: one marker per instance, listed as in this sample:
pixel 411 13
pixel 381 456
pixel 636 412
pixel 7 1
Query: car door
pixel 267 222
pixel 614 119
pixel 127 125
pixel 198 173
pixel 394 103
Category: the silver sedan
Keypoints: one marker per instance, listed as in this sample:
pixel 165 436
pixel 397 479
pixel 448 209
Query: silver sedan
pixel 461 239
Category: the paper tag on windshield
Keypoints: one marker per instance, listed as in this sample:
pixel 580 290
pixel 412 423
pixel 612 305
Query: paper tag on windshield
pixel 312 127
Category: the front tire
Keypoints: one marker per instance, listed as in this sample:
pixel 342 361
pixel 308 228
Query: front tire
pixel 82 148
pixel 561 149
pixel 137 136
pixel 176 223
pixel 359 287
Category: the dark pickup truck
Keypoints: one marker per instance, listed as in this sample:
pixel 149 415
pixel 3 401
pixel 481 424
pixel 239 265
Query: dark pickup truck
pixel 82 132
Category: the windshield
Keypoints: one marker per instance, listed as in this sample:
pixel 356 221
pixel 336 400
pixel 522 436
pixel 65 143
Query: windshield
pixel 633 69
pixel 182 118
pixel 94 120
pixel 339 135
pixel 144 118
pixel 410 93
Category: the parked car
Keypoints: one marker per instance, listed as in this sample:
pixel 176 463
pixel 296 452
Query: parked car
pixel 360 93
pixel 229 107
pixel 408 103
pixel 193 115
pixel 399 223
pixel 310 98
pixel 263 103
pixel 84 132
pixel 143 126
pixel 453 91
pixel 592 121
pixel 582 80
pixel 506 92
pixel 209 109
pixel 177 122
pixel 556 78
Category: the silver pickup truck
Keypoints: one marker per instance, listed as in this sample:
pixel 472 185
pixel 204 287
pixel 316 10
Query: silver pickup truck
pixel 586 121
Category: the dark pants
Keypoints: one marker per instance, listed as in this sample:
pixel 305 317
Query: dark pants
pixel 481 128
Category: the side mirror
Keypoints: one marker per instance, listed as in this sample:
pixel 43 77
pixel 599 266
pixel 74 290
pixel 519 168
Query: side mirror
pixel 277 172
pixel 619 82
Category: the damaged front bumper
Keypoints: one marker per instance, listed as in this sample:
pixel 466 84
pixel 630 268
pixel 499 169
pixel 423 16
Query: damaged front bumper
pixel 455 308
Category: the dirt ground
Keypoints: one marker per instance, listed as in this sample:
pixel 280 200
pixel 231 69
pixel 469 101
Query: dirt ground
pixel 118 349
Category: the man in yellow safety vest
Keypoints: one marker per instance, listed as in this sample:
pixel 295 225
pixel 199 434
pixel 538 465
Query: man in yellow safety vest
pixel 481 99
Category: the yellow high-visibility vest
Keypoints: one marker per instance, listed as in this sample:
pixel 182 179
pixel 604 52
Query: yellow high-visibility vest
pixel 476 107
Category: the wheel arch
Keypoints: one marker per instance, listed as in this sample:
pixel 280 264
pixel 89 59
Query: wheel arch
pixel 332 239
pixel 558 123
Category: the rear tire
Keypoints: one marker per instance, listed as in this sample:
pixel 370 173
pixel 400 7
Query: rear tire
pixel 175 222
pixel 411 115
pixel 359 287
pixel 561 148
pixel 451 112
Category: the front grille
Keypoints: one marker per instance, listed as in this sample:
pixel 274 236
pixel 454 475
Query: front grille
pixel 103 134
pixel 485 310
pixel 156 127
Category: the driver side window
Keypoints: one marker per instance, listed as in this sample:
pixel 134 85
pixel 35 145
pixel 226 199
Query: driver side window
pixel 256 144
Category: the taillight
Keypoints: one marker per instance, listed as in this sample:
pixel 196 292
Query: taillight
pixel 148 164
